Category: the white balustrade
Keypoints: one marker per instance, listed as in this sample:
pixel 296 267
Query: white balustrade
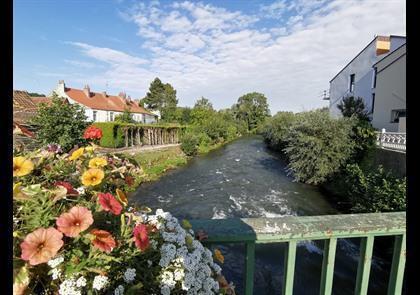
pixel 391 140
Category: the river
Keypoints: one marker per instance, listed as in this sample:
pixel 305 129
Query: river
pixel 245 179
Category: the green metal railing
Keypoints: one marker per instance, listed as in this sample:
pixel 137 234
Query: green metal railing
pixel 292 229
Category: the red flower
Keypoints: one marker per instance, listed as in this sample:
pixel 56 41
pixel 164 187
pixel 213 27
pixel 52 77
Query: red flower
pixel 75 221
pixel 103 240
pixel 109 203
pixel 140 237
pixel 92 132
pixel 68 186
pixel 41 245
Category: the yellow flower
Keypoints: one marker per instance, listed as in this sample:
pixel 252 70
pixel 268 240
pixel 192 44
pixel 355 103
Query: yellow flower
pixel 90 149
pixel 218 255
pixel 97 162
pixel 92 177
pixel 22 166
pixel 77 154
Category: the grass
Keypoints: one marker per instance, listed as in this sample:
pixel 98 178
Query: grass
pixel 156 162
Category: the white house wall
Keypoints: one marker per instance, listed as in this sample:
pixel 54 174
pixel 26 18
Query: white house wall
pixel 361 66
pixel 390 92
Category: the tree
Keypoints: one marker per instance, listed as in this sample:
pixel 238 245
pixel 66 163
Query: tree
pixel 35 94
pixel 203 109
pixel 61 123
pixel 351 106
pixel 125 117
pixel 161 97
pixel 251 108
pixel 183 115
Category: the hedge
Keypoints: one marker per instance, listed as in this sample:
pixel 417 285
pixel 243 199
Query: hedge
pixel 113 133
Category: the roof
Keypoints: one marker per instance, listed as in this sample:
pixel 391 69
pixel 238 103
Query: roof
pixel 391 55
pixel 99 101
pixel 391 36
pixel 23 107
pixel 41 99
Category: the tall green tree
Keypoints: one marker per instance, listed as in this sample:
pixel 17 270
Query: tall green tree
pixel 61 122
pixel 251 108
pixel 203 109
pixel 161 97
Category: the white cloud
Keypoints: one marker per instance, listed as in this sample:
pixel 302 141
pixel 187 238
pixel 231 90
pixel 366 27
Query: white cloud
pixel 203 50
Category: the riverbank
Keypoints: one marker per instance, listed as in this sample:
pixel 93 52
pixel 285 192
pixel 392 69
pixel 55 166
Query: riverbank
pixel 157 162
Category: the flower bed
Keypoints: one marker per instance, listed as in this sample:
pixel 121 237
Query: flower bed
pixel 75 232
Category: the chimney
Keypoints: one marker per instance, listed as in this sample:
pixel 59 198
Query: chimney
pixel 129 99
pixel 122 95
pixel 383 44
pixel 104 94
pixel 86 90
pixel 61 86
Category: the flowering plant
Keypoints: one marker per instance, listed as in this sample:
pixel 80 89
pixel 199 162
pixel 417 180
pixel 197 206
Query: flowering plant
pixel 93 133
pixel 75 233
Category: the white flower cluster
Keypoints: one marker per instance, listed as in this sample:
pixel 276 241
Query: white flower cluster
pixel 183 259
pixel 56 273
pixel 72 286
pixel 53 263
pixel 129 275
pixel 99 282
pixel 119 290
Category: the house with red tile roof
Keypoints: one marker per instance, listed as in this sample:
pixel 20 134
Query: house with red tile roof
pixel 103 107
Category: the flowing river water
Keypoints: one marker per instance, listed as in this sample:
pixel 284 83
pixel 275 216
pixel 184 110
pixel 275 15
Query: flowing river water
pixel 245 179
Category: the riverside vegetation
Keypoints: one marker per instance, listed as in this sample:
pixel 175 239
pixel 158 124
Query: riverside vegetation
pixel 334 154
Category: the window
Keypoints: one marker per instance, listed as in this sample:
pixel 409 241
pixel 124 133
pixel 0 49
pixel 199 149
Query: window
pixel 396 115
pixel 374 78
pixel 111 116
pixel 94 115
pixel 373 102
pixel 351 86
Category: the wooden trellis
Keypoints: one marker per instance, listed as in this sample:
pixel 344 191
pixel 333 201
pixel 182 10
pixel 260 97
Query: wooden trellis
pixel 142 135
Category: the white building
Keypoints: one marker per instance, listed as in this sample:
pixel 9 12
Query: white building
pixel 102 107
pixel 357 77
pixel 389 110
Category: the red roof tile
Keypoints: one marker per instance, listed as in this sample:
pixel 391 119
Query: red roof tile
pixel 98 101
pixel 41 99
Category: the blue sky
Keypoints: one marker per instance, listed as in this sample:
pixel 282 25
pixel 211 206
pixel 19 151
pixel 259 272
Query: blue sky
pixel 288 50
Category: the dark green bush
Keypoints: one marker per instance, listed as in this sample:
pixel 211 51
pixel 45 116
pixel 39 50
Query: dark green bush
pixel 317 146
pixel 61 123
pixel 373 191
pixel 275 129
pixel 189 143
pixel 112 135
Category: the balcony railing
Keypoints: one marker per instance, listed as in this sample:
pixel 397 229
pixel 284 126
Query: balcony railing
pixel 292 229
pixel 391 140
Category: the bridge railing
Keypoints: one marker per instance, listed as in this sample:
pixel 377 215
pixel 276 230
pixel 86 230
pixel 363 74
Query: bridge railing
pixel 391 140
pixel 292 229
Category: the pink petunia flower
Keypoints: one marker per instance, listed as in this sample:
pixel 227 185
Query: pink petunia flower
pixel 41 245
pixel 75 221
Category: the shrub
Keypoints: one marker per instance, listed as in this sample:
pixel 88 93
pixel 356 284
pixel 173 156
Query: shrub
pixel 317 146
pixel 60 123
pixel 75 232
pixel 373 191
pixel 275 129
pixel 189 143
pixel 112 135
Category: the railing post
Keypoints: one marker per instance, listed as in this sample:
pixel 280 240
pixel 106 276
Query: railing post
pixel 249 268
pixel 397 268
pixel 382 137
pixel 363 270
pixel 289 268
pixel 328 260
